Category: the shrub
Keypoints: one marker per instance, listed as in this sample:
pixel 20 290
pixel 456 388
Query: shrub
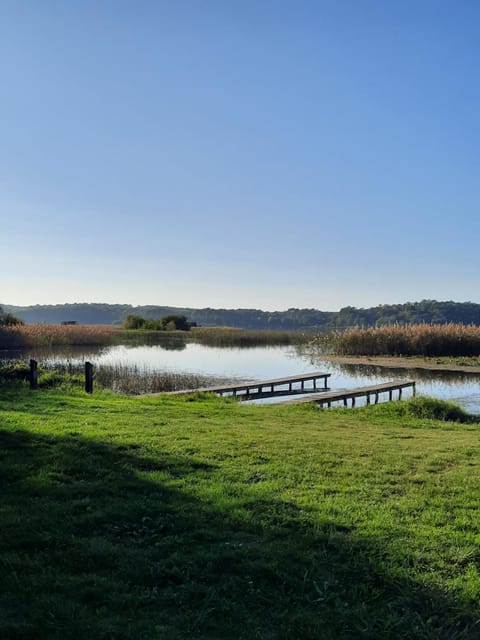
pixel 172 322
pixel 133 322
pixel 425 408
pixel 14 371
pixel 8 319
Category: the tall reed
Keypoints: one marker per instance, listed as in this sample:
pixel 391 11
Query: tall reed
pixel 49 335
pixel 409 340
pixel 232 337
pixel 135 380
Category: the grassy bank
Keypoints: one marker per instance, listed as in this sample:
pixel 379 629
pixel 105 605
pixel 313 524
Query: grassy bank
pixel 120 378
pixel 448 340
pixel 197 517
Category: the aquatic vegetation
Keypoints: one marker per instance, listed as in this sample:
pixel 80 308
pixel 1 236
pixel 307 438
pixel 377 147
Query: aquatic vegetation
pixel 48 335
pixel 231 337
pixel 408 340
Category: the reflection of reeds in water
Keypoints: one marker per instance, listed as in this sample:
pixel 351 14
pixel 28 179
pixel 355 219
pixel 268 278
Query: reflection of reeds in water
pixel 412 373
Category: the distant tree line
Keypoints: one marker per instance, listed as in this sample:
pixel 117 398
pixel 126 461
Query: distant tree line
pixel 429 311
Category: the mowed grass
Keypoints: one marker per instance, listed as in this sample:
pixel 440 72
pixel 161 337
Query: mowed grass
pixel 173 517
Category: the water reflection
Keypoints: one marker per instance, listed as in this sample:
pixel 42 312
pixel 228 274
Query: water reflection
pixel 412 373
pixel 259 363
pixel 169 342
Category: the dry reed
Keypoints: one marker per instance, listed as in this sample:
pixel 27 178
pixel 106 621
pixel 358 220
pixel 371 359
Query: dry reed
pixel 49 335
pixel 232 337
pixel 409 340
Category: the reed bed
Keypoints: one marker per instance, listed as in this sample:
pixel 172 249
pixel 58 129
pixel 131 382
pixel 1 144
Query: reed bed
pixel 49 335
pixel 453 340
pixel 232 337
pixel 119 378
pixel 134 380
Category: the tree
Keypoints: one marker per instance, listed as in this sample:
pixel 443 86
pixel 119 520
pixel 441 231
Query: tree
pixel 133 322
pixel 176 322
pixel 8 319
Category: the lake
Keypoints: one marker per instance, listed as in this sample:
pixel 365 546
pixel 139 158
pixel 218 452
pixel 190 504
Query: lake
pixel 259 363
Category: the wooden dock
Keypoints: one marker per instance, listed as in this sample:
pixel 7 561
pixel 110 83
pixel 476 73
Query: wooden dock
pixel 329 397
pixel 268 388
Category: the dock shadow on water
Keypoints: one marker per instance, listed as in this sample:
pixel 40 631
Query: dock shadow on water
pixel 100 541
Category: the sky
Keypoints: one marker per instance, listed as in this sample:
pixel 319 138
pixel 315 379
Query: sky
pixel 235 153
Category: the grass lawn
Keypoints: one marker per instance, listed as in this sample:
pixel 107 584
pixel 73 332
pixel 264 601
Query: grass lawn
pixel 178 518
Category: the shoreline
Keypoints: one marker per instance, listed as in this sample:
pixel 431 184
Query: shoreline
pixel 399 362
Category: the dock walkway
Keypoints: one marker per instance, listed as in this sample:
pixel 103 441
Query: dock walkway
pixel 267 388
pixel 329 397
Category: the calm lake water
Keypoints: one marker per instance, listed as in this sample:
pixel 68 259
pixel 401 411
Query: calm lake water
pixel 259 363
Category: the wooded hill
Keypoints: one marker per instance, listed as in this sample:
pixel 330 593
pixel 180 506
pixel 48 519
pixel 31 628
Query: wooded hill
pixel 430 311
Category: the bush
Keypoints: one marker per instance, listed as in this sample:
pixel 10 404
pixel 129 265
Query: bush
pixel 9 320
pixel 173 322
pixel 14 371
pixel 133 322
pixel 425 408
pixel 431 408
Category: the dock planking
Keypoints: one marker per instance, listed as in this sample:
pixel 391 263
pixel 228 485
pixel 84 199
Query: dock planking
pixel 329 397
pixel 267 388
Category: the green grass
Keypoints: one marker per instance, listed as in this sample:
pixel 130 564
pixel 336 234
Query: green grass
pixel 179 518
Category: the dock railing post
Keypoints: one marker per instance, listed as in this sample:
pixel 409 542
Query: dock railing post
pixel 88 377
pixel 33 376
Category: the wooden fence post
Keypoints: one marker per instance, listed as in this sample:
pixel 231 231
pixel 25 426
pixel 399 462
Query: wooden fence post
pixel 88 377
pixel 33 374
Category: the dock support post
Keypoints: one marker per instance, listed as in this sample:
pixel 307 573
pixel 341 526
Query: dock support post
pixel 88 377
pixel 325 382
pixel 376 398
pixel 400 393
pixel 33 376
pixel 414 390
pixel 368 398
pixel 345 402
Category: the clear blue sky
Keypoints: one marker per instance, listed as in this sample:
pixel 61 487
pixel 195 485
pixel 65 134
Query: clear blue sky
pixel 239 153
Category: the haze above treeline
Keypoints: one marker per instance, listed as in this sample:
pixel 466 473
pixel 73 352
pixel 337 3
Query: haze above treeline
pixel 429 311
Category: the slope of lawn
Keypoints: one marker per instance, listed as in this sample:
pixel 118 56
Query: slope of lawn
pixel 173 517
